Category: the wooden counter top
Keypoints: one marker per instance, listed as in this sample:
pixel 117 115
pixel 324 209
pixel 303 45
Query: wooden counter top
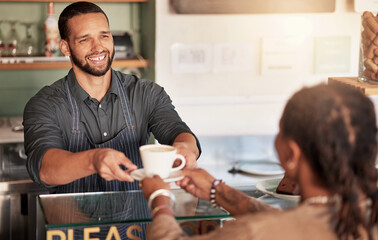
pixel 366 88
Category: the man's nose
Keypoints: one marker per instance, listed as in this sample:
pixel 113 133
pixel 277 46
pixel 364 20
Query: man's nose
pixel 97 45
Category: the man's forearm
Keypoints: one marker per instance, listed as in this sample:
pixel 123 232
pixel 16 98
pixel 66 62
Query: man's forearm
pixel 60 167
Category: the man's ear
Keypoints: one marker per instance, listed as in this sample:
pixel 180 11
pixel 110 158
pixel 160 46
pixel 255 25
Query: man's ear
pixel 64 48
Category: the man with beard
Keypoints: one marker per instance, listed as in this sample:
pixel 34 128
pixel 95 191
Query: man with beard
pixel 82 133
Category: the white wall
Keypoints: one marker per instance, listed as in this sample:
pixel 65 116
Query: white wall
pixel 248 100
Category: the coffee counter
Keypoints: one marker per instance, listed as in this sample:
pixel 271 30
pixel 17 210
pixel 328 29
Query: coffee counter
pixel 105 214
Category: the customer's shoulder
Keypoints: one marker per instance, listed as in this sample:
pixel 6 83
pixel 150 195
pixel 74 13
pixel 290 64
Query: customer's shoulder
pixel 300 222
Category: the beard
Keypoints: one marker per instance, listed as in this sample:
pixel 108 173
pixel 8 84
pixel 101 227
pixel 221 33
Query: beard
pixel 84 66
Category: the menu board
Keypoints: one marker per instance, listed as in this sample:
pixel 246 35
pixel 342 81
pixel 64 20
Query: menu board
pixel 332 54
pixel 232 57
pixel 191 58
pixel 281 56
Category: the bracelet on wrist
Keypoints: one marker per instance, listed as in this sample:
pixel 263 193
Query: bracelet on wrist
pixel 162 192
pixel 161 207
pixel 213 192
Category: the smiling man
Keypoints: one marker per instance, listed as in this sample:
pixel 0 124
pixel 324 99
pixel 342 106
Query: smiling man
pixel 82 133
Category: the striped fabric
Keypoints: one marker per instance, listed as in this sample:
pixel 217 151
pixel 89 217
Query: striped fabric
pixel 125 141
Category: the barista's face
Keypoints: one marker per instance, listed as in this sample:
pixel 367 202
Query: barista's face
pixel 90 44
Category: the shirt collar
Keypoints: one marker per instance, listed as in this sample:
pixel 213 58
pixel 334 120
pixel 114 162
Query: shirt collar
pixel 81 95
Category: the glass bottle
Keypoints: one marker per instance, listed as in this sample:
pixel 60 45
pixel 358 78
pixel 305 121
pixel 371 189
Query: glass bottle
pixel 28 44
pixel 51 33
pixel 13 40
pixel 2 42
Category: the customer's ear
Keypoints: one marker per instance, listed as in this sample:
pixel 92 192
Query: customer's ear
pixel 296 152
pixel 292 164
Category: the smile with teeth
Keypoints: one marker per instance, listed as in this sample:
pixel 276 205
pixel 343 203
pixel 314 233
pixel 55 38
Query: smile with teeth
pixel 97 58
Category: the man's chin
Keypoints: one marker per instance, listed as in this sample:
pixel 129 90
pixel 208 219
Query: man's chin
pixel 96 70
pixel 99 73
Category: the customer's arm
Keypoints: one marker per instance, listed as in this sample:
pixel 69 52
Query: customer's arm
pixel 165 226
pixel 199 182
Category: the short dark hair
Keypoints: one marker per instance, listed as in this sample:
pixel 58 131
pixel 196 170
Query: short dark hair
pixel 76 9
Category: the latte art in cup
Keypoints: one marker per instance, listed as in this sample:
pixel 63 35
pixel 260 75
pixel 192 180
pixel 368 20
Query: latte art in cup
pixel 162 149
pixel 158 160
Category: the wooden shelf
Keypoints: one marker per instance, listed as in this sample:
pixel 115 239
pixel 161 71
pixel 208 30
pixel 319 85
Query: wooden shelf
pixel 366 88
pixel 117 63
pixel 30 64
pixel 72 1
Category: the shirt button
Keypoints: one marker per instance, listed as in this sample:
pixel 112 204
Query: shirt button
pixel 105 134
pixel 99 106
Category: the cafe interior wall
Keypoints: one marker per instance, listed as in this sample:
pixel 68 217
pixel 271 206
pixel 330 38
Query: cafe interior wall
pixel 216 68
pixel 234 107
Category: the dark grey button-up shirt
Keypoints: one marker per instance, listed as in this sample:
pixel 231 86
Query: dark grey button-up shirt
pixel 48 116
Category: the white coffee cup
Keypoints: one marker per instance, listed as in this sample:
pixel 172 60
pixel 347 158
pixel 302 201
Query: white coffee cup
pixel 158 159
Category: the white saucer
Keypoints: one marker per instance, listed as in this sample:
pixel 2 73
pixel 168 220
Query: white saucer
pixel 139 174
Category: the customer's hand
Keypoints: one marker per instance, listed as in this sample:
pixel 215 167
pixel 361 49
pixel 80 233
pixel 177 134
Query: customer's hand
pixel 196 182
pixel 150 185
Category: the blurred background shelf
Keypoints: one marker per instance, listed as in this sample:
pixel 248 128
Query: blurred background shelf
pixel 117 63
pixel 73 1
pixel 367 88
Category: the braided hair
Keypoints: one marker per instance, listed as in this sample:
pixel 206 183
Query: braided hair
pixel 335 127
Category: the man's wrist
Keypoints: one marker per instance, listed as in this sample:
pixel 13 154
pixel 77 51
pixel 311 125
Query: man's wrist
pixel 91 159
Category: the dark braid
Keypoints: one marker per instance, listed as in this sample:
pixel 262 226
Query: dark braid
pixel 335 127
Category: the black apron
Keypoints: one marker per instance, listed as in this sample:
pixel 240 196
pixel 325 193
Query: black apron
pixel 125 141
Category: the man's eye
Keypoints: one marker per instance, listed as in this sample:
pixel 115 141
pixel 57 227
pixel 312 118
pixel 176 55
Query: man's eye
pixel 105 36
pixel 83 40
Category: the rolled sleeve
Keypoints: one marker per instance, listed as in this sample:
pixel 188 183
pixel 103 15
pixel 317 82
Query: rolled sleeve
pixel 41 130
